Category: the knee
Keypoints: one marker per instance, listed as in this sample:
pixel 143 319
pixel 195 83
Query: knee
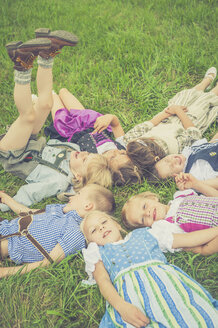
pixel 45 104
pixel 62 92
pixel 29 117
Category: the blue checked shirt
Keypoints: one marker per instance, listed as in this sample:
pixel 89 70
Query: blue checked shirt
pixel 49 229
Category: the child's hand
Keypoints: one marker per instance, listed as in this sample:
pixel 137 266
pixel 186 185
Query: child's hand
pixel 185 181
pixel 102 123
pixel 131 314
pixel 4 197
pixel 173 109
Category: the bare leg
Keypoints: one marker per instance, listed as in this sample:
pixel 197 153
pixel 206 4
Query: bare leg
pixel 215 89
pixel 45 100
pixel 214 139
pixel 69 101
pixel 20 131
pixel 23 56
pixel 57 104
pixel 203 84
pixel 207 80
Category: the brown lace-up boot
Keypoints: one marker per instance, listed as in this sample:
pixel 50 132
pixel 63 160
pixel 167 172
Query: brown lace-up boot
pixel 59 39
pixel 24 54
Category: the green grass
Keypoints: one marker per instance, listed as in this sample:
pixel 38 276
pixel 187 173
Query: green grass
pixel 132 57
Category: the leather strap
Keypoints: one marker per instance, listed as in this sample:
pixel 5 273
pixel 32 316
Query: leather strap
pixel 24 223
pixel 31 212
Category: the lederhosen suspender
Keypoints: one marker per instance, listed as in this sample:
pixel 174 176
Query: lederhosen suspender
pixel 24 222
pixel 60 157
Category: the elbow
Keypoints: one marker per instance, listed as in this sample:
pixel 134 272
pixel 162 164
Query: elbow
pixel 203 250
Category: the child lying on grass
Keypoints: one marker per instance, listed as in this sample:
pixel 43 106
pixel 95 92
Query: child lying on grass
pixel 138 283
pixel 186 212
pixel 188 115
pixel 47 169
pixel 56 229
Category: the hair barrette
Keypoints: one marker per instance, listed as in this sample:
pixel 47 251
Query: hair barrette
pixel 135 169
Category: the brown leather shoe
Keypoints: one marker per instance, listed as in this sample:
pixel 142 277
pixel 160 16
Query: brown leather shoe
pixel 59 39
pixel 24 54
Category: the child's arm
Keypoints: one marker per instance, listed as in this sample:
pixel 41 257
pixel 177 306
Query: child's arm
pixel 196 238
pixel 13 204
pixel 206 249
pixel 160 117
pixel 128 312
pixel 57 254
pixel 31 193
pixel 104 121
pixel 173 110
pixel 187 181
pixel 180 112
pixel 212 182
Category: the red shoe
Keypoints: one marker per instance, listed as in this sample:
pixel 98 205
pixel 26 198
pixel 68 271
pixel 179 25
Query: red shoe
pixel 24 54
pixel 59 39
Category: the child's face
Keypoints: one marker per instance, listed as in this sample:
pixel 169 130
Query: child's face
pixel 79 202
pixel 101 230
pixel 143 212
pixel 170 165
pixel 116 158
pixel 79 162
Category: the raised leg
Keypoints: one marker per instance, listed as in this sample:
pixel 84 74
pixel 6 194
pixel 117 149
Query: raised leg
pixel 20 131
pixel 215 89
pixel 69 101
pixel 23 56
pixel 208 78
pixel 44 101
pixel 57 104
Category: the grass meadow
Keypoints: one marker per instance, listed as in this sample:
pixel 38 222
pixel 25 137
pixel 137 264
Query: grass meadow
pixel 132 57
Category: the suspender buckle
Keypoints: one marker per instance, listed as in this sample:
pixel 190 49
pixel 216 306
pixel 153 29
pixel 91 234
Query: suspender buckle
pixel 24 232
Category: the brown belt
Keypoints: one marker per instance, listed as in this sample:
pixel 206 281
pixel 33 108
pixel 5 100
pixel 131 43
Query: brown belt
pixel 24 222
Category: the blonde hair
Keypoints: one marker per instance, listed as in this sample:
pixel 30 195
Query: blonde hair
pixel 98 213
pixel 102 198
pixel 98 172
pixel 145 194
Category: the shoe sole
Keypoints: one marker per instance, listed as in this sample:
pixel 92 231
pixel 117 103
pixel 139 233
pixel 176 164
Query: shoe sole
pixel 60 34
pixel 13 45
pixel 40 42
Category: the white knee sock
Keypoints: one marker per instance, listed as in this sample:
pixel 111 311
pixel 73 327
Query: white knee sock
pixel 45 63
pixel 22 77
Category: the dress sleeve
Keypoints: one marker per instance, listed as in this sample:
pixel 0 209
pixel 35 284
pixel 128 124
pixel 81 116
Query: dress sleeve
pixel 121 140
pixel 163 231
pixel 91 256
pixel 138 131
pixel 186 137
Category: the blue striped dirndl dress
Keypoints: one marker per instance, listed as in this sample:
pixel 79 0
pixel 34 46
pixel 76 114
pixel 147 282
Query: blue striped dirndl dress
pixel 166 294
